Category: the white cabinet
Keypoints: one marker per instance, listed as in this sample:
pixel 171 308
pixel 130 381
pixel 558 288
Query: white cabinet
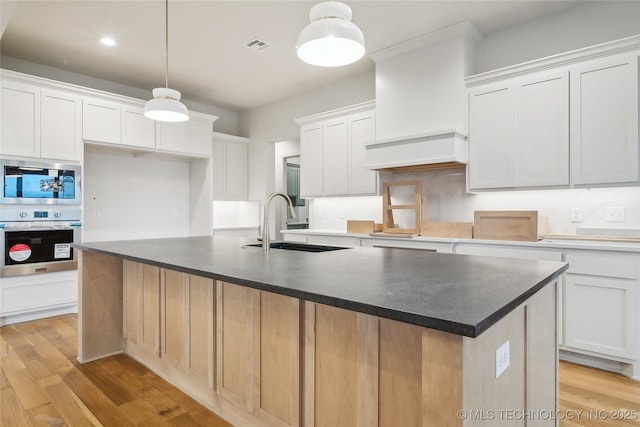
pixel 491 136
pixel 101 121
pixel 116 123
pixel 20 120
pixel 200 134
pixel 601 303
pixel 191 137
pixel 311 161
pixel 172 136
pixel 542 129
pixel 40 122
pixel 230 167
pixel 335 158
pixel 604 121
pixel 61 126
pixel 332 152
pixel 362 132
pixel 137 130
pixel 519 132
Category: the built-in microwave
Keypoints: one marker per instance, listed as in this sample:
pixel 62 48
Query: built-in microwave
pixel 28 182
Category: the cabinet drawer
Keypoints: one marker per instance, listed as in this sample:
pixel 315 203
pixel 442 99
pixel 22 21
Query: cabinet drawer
pixel 608 264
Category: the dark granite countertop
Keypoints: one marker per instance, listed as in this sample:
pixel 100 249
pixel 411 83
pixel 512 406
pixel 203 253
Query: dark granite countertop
pixel 460 294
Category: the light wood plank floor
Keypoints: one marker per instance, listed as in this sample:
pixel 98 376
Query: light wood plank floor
pixel 42 384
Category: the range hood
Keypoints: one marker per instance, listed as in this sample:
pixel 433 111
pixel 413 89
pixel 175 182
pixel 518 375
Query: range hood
pixel 421 113
pixel 425 151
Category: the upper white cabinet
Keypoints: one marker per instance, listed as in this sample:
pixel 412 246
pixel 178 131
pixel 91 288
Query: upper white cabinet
pixel 491 136
pixel 172 136
pixel 311 161
pixel 604 121
pixel 230 167
pixel 200 134
pixel 192 137
pixel 38 122
pixel 116 123
pixel 542 129
pixel 567 120
pixel 519 132
pixel 20 119
pixel 332 152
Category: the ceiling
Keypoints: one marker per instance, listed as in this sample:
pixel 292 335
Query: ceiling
pixel 208 61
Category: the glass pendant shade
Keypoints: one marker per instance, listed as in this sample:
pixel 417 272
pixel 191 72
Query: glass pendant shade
pixel 166 106
pixel 331 39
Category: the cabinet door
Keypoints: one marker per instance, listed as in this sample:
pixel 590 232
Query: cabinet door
pixel 600 315
pixel 311 160
pixel 335 158
pixel 491 137
pixel 61 131
pixel 236 170
pixel 137 130
pixel 101 121
pixel 219 170
pixel 172 136
pixel 200 136
pixel 20 120
pixel 362 131
pixel 142 307
pixel 175 318
pixel 604 121
pixel 542 129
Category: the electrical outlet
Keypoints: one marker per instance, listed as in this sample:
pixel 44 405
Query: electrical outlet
pixel 615 214
pixel 576 214
pixel 97 213
pixel 502 358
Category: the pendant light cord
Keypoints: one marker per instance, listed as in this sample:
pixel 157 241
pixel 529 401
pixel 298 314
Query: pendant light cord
pixel 166 43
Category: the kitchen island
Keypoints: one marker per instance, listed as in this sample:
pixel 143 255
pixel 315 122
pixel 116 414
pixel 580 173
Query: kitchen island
pixel 352 337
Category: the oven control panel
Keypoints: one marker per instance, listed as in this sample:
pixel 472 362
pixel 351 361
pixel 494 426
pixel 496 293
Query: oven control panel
pixel 26 214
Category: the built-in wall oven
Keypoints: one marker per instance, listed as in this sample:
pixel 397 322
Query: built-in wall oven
pixel 38 240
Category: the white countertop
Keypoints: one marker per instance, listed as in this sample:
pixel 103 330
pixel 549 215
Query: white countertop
pixel 559 243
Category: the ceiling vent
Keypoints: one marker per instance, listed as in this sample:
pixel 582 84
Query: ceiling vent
pixel 257 45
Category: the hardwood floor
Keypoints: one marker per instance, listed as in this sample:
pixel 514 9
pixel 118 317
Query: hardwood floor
pixel 42 384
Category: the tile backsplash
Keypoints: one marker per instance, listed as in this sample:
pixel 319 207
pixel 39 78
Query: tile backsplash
pixel 447 200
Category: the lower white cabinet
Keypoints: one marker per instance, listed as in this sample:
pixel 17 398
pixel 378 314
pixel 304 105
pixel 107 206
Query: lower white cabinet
pixel 35 296
pixel 601 303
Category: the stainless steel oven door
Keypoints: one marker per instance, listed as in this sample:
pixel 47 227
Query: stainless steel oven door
pixel 36 250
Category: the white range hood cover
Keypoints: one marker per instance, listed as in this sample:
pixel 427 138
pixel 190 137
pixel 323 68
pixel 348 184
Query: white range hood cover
pixel 444 148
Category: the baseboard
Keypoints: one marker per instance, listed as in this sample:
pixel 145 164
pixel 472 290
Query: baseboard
pixel 39 314
pixel 598 362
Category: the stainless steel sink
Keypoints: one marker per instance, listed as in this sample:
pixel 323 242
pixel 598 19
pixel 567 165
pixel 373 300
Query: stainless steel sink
pixel 303 247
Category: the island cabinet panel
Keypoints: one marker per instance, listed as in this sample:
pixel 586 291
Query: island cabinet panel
pixel 100 306
pixel 175 319
pixel 277 398
pixel 341 367
pixel 201 329
pixel 258 358
pixel 141 284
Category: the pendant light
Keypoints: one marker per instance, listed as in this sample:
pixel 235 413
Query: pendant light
pixel 165 105
pixel 331 39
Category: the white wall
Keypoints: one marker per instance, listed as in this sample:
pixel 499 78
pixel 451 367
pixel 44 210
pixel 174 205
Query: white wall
pixel 136 197
pixel 585 25
pixel 227 119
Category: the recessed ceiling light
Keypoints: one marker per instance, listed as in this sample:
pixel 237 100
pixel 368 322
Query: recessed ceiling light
pixel 108 41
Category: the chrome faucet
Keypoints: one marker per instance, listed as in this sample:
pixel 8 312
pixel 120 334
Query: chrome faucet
pixel 266 239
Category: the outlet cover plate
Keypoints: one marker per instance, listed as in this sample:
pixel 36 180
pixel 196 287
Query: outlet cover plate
pixel 502 358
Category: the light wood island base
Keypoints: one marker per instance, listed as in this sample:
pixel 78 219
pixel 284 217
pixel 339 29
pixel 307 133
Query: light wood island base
pixel 258 358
